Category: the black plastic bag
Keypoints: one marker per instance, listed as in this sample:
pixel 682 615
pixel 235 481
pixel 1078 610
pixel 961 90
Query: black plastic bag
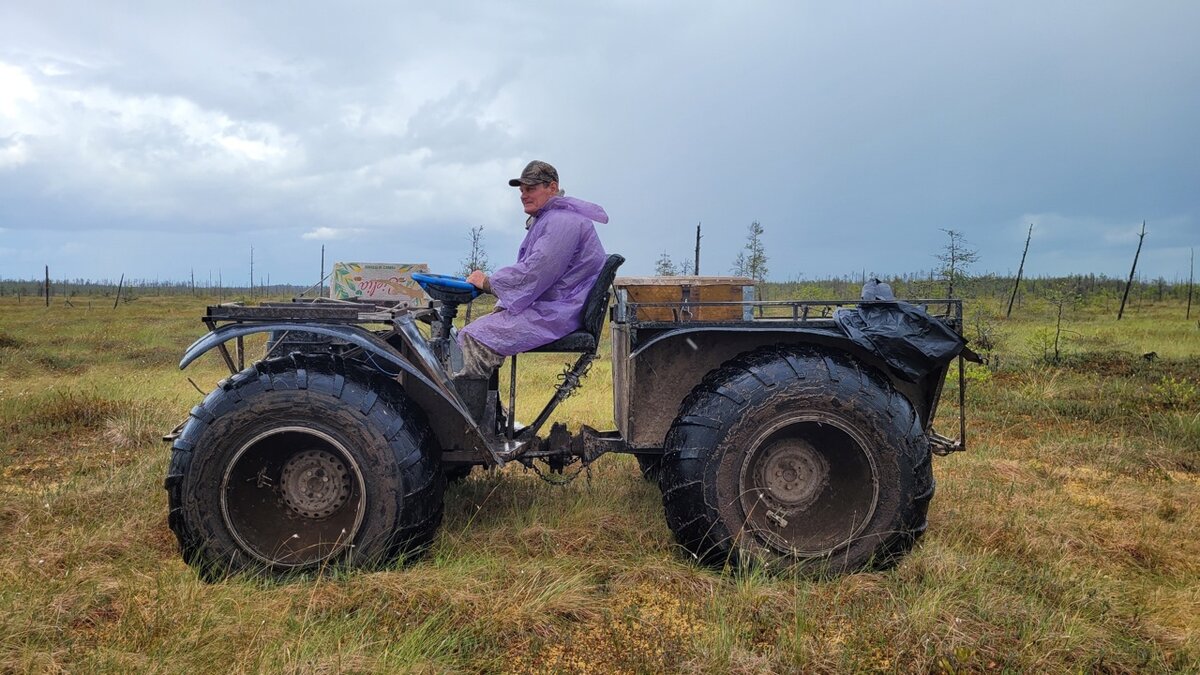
pixel 913 343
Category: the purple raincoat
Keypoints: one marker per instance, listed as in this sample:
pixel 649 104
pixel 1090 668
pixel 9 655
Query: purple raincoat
pixel 544 292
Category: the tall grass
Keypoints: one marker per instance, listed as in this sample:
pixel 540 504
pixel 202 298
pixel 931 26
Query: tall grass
pixel 1067 539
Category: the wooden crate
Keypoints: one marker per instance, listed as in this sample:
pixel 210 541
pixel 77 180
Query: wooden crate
pixel 688 290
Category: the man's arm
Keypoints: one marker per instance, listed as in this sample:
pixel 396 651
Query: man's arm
pixel 546 261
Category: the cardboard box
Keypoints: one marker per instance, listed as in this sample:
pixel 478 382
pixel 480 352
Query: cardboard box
pixel 687 290
pixel 377 281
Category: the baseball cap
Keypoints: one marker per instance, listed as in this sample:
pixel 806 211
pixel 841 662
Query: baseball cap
pixel 536 172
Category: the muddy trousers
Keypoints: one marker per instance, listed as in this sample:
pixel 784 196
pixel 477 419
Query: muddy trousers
pixel 479 361
pixel 479 364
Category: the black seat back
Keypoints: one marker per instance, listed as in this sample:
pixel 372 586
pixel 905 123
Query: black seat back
pixel 597 299
pixel 587 338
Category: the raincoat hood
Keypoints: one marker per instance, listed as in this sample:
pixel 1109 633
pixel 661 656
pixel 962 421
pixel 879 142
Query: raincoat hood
pixel 588 210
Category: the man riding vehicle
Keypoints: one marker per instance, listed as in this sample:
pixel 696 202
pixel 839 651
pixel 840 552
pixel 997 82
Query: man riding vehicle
pixel 540 298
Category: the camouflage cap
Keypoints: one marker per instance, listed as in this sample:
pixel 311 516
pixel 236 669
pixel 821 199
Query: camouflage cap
pixel 536 173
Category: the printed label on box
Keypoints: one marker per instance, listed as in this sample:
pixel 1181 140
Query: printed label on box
pixel 377 281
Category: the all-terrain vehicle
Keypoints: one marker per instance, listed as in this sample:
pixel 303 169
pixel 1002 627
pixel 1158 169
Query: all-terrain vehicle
pixel 790 434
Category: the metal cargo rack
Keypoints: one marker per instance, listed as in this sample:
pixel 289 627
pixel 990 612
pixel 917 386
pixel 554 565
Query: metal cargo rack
pixel 316 310
pixel 813 313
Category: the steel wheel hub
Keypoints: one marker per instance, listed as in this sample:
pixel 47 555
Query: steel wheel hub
pixel 314 483
pixel 807 486
pixel 792 473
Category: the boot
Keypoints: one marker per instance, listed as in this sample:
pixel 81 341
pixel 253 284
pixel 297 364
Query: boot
pixel 474 393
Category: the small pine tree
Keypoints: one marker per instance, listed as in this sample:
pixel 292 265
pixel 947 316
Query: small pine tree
pixel 751 261
pixel 664 266
pixel 955 257
pixel 1064 298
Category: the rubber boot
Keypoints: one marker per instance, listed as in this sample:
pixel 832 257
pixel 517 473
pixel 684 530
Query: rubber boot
pixel 474 393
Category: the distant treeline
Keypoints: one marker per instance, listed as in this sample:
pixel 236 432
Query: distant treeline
pixel 1088 288
pixel 69 288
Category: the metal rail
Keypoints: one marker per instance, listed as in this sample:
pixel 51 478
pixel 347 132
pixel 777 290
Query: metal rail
pixel 323 312
pixel 797 311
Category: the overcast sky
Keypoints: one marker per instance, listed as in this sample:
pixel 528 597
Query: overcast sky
pixel 160 138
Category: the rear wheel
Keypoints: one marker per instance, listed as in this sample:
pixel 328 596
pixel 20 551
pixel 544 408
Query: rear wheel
pixel 297 464
pixel 791 457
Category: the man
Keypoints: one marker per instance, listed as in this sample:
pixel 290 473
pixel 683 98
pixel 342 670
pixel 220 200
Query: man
pixel 540 298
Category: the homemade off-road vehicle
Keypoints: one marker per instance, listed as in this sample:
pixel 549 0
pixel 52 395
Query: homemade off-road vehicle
pixel 793 434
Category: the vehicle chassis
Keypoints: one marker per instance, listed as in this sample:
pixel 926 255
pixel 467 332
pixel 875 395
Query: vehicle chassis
pixel 669 378
pixel 639 349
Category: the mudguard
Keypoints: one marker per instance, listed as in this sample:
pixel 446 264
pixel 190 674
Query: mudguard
pixel 659 372
pixel 427 371
pixel 675 333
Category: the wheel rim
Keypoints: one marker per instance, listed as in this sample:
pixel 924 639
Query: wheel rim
pixel 293 496
pixel 808 486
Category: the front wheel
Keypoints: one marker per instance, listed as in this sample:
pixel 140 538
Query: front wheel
pixel 791 457
pixel 297 464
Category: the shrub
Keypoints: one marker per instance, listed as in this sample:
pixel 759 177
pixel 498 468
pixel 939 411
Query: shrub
pixel 1174 392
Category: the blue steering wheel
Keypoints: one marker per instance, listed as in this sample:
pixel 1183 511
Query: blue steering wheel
pixel 446 288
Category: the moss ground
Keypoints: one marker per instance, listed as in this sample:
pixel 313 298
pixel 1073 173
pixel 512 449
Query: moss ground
pixel 1066 539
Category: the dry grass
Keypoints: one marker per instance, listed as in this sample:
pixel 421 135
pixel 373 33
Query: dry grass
pixel 1067 539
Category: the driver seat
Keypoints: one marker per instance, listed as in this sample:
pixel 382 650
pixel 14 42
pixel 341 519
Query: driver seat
pixel 583 342
pixel 587 338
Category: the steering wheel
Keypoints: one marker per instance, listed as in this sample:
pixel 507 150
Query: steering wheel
pixel 446 288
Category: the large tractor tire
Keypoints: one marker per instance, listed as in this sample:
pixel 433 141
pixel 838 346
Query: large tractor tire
pixel 300 464
pixel 790 457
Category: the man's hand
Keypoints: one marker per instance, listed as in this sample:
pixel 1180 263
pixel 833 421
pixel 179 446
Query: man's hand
pixel 480 280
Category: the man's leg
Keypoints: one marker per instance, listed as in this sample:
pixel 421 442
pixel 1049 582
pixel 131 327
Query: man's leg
pixel 479 363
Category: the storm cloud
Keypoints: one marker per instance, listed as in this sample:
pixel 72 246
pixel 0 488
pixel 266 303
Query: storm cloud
pixel 158 139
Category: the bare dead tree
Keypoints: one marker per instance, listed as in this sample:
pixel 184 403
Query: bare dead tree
pixel 1020 271
pixel 1125 296
pixel 476 259
pixel 1191 277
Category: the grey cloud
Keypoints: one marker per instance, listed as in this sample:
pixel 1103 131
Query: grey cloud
pixel 852 134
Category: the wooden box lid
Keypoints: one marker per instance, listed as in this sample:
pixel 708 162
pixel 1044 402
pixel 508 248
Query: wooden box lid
pixel 679 280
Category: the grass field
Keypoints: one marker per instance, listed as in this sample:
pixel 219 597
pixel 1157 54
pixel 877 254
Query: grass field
pixel 1066 539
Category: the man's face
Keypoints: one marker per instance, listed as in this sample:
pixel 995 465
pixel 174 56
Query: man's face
pixel 534 197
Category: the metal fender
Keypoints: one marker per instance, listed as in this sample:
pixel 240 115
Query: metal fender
pixel 352 334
